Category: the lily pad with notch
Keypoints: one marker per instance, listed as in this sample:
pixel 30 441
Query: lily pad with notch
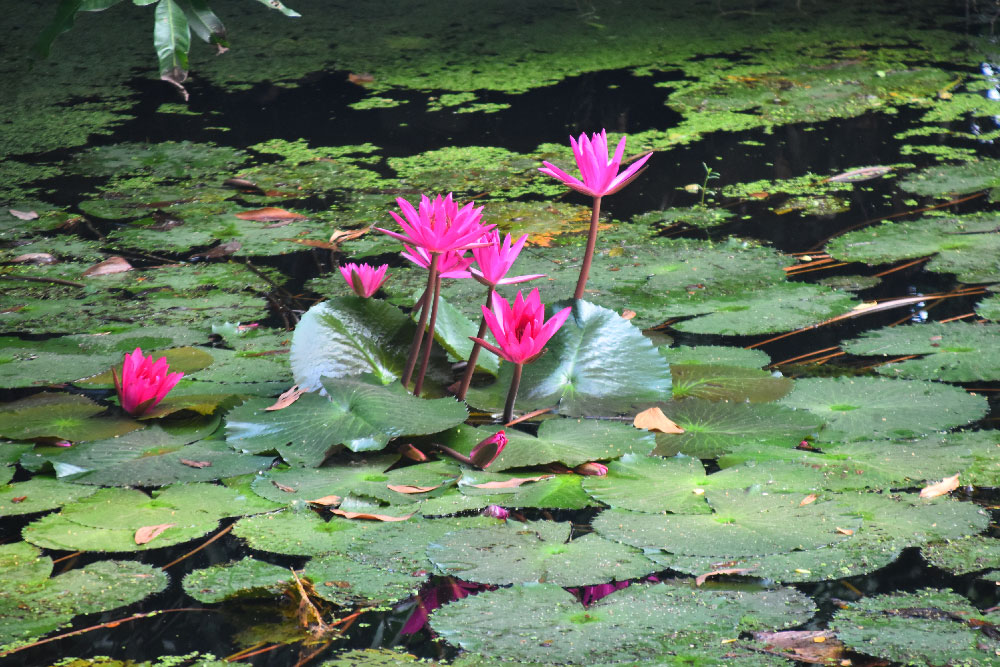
pixel 728 383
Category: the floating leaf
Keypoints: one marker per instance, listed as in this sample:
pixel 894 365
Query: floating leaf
pixel 108 266
pixel 530 623
pixel 295 533
pixel 711 428
pixel 926 627
pixel 944 487
pixel 39 494
pixel 864 408
pixel 242 578
pixel 971 554
pixel 652 484
pixel 948 180
pixel 953 351
pixel 147 534
pixel 67 416
pixel 269 214
pixel 359 413
pixel 728 383
pixel 653 419
pixel 716 355
pixel 365 479
pixel 581 371
pixel 348 583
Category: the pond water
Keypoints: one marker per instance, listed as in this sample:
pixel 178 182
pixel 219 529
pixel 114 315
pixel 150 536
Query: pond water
pixel 809 162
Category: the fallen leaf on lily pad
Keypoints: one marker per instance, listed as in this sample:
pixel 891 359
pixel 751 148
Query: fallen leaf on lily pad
pixel 110 265
pixel 326 501
pixel 374 517
pixel 628 314
pixel 944 487
pixel 409 488
pixel 23 215
pixel 812 646
pixel 653 419
pixel 287 398
pixel 147 534
pixel 38 258
pixel 811 498
pixel 218 251
pixel 514 482
pixel 196 464
pixel 269 214
pixel 701 578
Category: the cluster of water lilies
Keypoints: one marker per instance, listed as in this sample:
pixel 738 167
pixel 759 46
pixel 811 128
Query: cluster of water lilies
pixel 437 234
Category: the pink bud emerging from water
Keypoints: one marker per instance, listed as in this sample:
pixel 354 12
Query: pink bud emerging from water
pixel 143 383
pixel 592 468
pixel 363 278
pixel 496 512
pixel 488 450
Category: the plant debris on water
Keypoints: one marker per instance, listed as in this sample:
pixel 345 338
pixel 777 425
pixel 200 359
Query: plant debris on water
pixel 237 426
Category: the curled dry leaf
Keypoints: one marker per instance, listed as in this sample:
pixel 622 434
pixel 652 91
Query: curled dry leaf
pixel 147 534
pixel 653 419
pixel 512 483
pixel 282 487
pixel 408 488
pixel 270 214
pixel 373 517
pixel 286 398
pixel 110 265
pixel 811 498
pixel 360 78
pixel 326 501
pixel 18 499
pixel 945 486
pixel 222 250
pixel 701 578
pixel 818 647
pixel 860 174
pixel 628 314
pixel 38 258
pixel 412 453
pixel 844 531
pixel 23 215
pixel 196 464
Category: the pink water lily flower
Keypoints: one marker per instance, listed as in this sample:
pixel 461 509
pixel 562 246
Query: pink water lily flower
pixel 520 329
pixel 600 174
pixel 452 264
pixel 495 259
pixel 143 383
pixel 439 225
pixel 363 278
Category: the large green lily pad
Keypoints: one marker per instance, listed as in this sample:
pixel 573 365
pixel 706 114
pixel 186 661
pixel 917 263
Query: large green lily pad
pixel 862 408
pixel 65 416
pixel 952 352
pixel 979 552
pixel 958 179
pixel 242 578
pixel 596 364
pixel 540 551
pixel 728 383
pixel 350 583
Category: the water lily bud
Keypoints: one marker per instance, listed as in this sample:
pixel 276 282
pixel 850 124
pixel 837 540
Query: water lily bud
pixel 591 468
pixel 488 450
pixel 496 512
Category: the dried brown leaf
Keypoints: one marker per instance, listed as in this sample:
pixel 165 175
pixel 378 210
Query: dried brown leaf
pixel 270 214
pixel 38 258
pixel 653 419
pixel 373 517
pixel 110 265
pixel 944 487
pixel 811 498
pixel 23 215
pixel 818 647
pixel 196 464
pixel 408 488
pixel 326 501
pixel 628 314
pixel 287 398
pixel 700 579
pixel 282 487
pixel 147 534
pixel 512 483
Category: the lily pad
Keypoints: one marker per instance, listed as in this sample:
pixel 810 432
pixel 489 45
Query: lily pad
pixel 971 554
pixel 361 414
pixel 300 485
pixel 533 622
pixel 958 179
pixel 989 307
pixel 348 583
pixel 39 494
pixel 242 578
pixel 67 416
pixel 713 428
pixel 55 531
pixel 952 351
pixel 968 245
pixel 728 383
pixel 741 524
pixel 349 336
pixel 685 355
pixel 863 408
pixel 933 627
pixel 596 364
pixel 539 551
pixel 294 533
pixel 651 484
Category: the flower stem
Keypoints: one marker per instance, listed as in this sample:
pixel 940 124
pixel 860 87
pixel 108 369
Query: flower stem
pixel 474 355
pixel 589 256
pixel 411 360
pixel 515 382
pixel 429 340
pixel 455 455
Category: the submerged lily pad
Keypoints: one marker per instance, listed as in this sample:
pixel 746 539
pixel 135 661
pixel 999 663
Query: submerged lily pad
pixel 596 364
pixel 540 551
pixel 533 622
pixel 863 408
pixel 953 351
pixel 934 627
pixel 164 160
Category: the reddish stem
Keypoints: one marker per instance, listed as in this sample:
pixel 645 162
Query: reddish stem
pixel 474 355
pixel 418 335
pixel 515 382
pixel 429 340
pixel 591 244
